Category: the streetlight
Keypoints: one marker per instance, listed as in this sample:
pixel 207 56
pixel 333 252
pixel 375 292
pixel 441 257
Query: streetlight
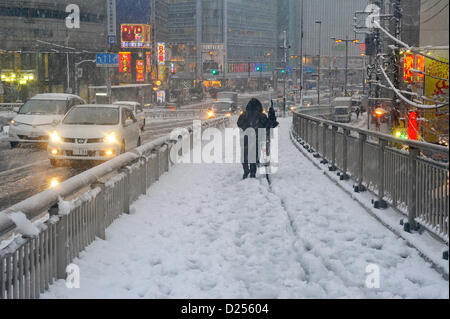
pixel 332 76
pixel 318 68
pixel 347 41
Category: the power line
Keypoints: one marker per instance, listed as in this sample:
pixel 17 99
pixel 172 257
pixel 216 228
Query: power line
pixel 433 6
pixel 401 96
pixel 434 16
pixel 406 45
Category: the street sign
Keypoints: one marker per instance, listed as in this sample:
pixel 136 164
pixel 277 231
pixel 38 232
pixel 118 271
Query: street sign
pixel 107 60
pixel 112 21
pixel 111 39
pixel 289 69
pixel 79 72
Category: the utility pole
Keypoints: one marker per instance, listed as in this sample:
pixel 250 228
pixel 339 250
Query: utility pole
pixel 301 53
pixel 248 66
pixel 346 64
pixel 285 48
pixel 318 68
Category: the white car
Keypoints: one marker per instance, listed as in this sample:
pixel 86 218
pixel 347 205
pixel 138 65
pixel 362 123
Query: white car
pixel 39 116
pixel 138 112
pixel 94 133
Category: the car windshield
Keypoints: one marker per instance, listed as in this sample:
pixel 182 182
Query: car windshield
pixel 92 116
pixel 44 107
pixel 341 110
pixel 222 106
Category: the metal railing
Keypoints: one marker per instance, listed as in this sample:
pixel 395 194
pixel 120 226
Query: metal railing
pixel 93 200
pixel 400 172
pixel 163 114
pixel 9 106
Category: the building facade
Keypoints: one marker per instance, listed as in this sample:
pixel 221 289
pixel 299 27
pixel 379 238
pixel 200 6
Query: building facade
pixel 36 44
pixel 336 22
pixel 226 41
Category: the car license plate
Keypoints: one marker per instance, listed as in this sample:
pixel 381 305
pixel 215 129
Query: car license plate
pixel 80 152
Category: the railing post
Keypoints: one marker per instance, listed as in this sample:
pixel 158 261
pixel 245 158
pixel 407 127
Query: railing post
pixel 324 144
pixel 156 161
pixel 362 140
pixel 333 167
pixel 61 249
pixel 100 210
pixel 317 154
pixel 411 186
pixel 307 135
pixel 144 186
pixel 344 176
pixel 381 203
pixel 302 130
pixel 126 195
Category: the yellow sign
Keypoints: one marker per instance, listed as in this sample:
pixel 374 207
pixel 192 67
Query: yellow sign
pixel 213 84
pixel 436 88
pixel 161 72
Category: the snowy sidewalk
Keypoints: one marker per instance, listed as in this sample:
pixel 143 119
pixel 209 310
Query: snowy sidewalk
pixel 202 232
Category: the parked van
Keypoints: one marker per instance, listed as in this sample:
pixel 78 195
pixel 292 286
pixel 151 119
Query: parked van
pixel 342 109
pixel 38 116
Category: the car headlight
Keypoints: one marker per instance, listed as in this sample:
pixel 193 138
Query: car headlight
pixel 54 137
pixel 210 113
pixel 13 123
pixel 110 138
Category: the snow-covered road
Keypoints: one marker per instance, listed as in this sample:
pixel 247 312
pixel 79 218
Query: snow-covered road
pixel 202 232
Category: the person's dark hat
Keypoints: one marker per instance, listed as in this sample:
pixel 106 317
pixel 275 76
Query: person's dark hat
pixel 254 105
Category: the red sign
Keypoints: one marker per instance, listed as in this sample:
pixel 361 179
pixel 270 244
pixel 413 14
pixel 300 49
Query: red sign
pixel 408 64
pixel 148 60
pixel 140 71
pixel 420 65
pixel 161 53
pixel 124 62
pixel 135 35
pixel 412 126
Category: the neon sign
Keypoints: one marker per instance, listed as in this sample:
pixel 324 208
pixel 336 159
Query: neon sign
pixel 135 36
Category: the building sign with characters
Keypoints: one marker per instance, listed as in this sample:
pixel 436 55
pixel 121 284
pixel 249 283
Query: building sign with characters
pixel 135 36
pixel 437 88
pixel 161 53
pixel 140 66
pixel 124 62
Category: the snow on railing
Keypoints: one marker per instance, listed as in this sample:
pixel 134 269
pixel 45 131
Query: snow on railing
pixel 402 173
pixel 41 235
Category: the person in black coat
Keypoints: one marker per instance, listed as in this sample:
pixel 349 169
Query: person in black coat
pixel 250 122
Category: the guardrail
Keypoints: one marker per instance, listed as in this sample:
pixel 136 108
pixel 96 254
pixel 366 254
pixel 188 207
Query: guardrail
pixel 400 172
pixel 30 262
pixel 323 110
pixel 163 114
pixel 9 106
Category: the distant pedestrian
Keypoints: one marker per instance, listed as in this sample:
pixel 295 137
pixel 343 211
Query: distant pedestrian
pixel 250 122
pixel 358 111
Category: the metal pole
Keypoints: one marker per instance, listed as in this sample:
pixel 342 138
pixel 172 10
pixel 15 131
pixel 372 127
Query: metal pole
pixel 68 73
pixel 346 63
pixel 318 68
pixel 301 54
pixel 284 66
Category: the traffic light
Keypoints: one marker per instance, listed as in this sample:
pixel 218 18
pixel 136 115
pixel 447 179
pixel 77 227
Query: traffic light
pixel 214 72
pixel 258 68
pixel 283 71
